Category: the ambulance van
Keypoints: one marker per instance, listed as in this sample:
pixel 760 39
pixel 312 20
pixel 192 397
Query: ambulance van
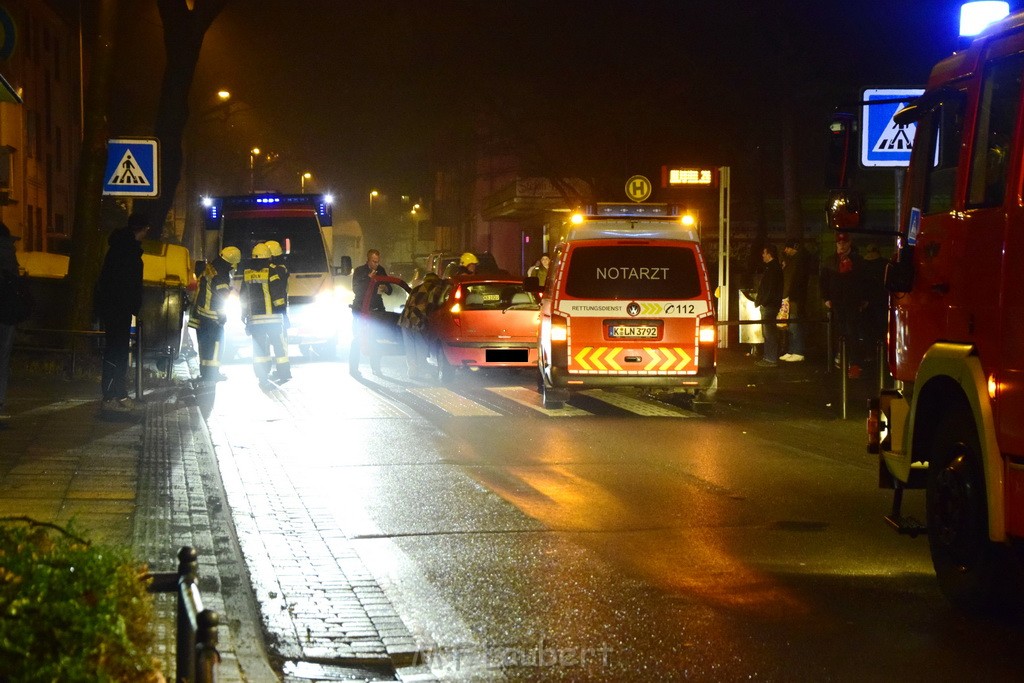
pixel 627 304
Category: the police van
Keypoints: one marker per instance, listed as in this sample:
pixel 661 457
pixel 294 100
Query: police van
pixel 627 304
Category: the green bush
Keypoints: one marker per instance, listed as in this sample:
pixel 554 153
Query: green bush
pixel 71 610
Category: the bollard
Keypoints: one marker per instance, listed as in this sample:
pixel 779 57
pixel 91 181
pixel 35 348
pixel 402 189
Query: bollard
pixel 207 655
pixel 138 359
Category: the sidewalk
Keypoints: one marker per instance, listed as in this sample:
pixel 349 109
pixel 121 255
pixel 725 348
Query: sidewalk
pixel 146 481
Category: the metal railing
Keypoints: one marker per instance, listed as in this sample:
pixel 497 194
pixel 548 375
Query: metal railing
pixel 72 349
pixel 196 655
pixel 843 365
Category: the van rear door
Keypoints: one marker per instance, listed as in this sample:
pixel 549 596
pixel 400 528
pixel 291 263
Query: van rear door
pixel 633 307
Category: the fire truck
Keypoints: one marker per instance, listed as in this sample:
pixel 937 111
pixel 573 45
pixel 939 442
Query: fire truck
pixel 953 426
pixel 301 224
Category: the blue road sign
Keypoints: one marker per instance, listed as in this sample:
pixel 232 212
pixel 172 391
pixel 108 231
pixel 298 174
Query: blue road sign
pixel 132 165
pixel 883 141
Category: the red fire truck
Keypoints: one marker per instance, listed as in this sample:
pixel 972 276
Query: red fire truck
pixel 954 424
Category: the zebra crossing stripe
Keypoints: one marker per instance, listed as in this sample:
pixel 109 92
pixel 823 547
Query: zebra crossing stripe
pixel 452 403
pixel 531 399
pixel 636 405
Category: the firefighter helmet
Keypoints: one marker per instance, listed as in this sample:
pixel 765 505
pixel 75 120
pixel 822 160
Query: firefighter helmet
pixel 232 255
pixel 261 251
pixel 467 259
pixel 275 247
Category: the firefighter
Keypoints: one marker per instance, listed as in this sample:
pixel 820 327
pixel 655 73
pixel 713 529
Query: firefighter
pixel 261 291
pixel 208 315
pixel 282 369
pixel 468 263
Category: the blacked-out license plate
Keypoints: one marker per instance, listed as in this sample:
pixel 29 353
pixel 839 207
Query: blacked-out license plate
pixel 507 355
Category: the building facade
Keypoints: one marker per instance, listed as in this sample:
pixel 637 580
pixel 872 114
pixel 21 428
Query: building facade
pixel 40 137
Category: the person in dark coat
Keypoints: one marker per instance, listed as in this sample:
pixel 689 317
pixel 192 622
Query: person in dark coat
pixel 360 283
pixel 795 273
pixel 845 295
pixel 118 298
pixel 768 301
pixel 9 272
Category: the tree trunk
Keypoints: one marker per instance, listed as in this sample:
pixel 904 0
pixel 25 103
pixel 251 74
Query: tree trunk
pixel 184 30
pixel 790 185
pixel 88 239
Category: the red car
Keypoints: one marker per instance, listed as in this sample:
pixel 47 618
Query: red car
pixel 483 321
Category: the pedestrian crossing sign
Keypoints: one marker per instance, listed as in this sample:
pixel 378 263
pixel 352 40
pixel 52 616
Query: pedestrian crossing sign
pixel 883 141
pixel 131 170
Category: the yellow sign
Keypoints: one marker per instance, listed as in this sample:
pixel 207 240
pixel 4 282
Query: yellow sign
pixel 638 188
pixel 605 359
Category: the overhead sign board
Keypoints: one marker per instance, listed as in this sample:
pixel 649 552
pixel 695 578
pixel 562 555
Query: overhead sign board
pixel 132 167
pixel 883 141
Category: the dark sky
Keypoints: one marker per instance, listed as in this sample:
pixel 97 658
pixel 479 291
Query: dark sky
pixel 369 94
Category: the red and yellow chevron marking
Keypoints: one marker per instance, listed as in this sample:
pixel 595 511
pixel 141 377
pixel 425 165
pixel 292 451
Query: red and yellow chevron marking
pixel 604 359
pixel 591 355
pixel 670 359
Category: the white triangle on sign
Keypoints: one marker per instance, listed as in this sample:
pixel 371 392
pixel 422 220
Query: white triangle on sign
pixel 128 172
pixel 896 138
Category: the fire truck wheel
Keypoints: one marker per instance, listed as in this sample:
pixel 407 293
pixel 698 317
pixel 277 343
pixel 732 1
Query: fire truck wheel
pixel 966 562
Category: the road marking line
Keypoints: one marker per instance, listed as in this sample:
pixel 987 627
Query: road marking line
pixel 636 405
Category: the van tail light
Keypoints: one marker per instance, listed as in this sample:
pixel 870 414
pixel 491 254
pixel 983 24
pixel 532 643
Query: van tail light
pixel 559 333
pixel 707 342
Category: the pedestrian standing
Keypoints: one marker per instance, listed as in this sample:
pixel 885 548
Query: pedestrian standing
pixel 769 300
pixel 843 291
pixel 261 291
pixel 795 274
pixel 413 322
pixel 360 284
pixel 209 311
pixel 539 270
pixel 8 314
pixel 118 300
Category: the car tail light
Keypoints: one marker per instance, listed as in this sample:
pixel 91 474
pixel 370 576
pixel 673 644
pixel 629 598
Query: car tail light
pixel 707 332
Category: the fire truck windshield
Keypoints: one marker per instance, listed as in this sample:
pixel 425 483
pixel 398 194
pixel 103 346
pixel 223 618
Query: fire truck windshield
pixel 301 235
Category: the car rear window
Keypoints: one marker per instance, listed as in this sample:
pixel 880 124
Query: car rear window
pixel 618 271
pixel 482 296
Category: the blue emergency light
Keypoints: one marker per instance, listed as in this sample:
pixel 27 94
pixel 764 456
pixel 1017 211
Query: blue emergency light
pixel 216 207
pixel 975 17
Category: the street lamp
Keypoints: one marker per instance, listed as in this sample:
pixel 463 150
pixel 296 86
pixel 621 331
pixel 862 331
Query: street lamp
pixel 303 177
pixel 373 193
pixel 253 153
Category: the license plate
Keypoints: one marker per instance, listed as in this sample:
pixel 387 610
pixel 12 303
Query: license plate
pixel 507 355
pixel 633 332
